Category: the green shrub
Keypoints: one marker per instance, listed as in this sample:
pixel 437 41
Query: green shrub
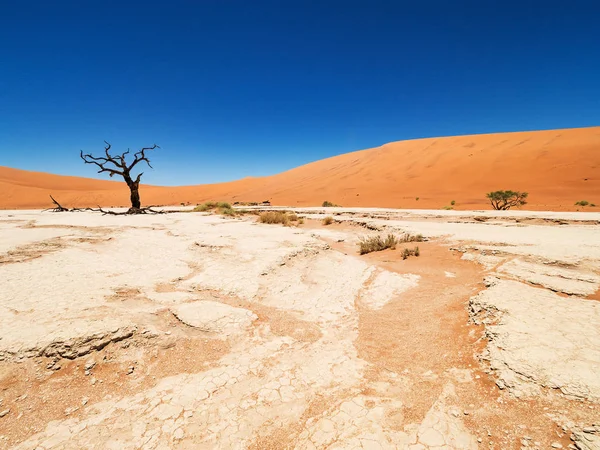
pixel 504 200
pixel 300 221
pixel 582 203
pixel 328 204
pixel 376 244
pixel 328 220
pixel 417 198
pixel 453 203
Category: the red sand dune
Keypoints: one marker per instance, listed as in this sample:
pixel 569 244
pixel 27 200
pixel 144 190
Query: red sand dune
pixel 556 167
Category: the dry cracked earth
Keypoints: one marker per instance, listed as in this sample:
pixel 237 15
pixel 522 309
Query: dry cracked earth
pixel 194 331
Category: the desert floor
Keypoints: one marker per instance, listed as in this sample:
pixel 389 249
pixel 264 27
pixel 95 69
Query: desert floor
pixel 195 331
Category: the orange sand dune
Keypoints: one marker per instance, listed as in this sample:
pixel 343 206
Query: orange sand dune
pixel 556 167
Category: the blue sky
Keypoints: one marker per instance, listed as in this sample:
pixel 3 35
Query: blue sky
pixel 248 88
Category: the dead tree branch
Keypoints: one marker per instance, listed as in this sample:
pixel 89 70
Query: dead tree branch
pixel 58 208
pixel 147 210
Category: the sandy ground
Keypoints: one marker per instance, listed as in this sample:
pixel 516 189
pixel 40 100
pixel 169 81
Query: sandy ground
pixel 557 167
pixel 189 330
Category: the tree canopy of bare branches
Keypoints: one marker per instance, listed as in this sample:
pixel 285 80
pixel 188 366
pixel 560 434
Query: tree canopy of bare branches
pixel 118 165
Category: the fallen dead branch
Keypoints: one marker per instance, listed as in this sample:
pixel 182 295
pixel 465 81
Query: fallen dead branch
pixel 130 211
pixel 58 208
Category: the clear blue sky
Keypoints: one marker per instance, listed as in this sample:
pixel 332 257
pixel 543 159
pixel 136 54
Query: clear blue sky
pixel 236 88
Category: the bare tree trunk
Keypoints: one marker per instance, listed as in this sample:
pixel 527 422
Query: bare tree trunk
pixel 135 197
pixel 134 187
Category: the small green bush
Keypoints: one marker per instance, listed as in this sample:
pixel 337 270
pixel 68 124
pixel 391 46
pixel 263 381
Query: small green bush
pixel 417 198
pixel 453 203
pixel 328 204
pixel 582 203
pixel 328 220
pixel 504 200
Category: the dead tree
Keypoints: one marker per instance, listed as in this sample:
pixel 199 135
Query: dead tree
pixel 116 165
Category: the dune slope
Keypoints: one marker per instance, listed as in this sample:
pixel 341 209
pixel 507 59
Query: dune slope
pixel 557 168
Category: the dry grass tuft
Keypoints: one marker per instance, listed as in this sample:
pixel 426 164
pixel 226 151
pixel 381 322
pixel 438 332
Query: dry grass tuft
pixel 407 237
pixel 209 206
pixel 274 217
pixel 377 244
pixel 410 252
pixel 222 208
pixel 227 211
pixel 328 220
pixel 285 218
